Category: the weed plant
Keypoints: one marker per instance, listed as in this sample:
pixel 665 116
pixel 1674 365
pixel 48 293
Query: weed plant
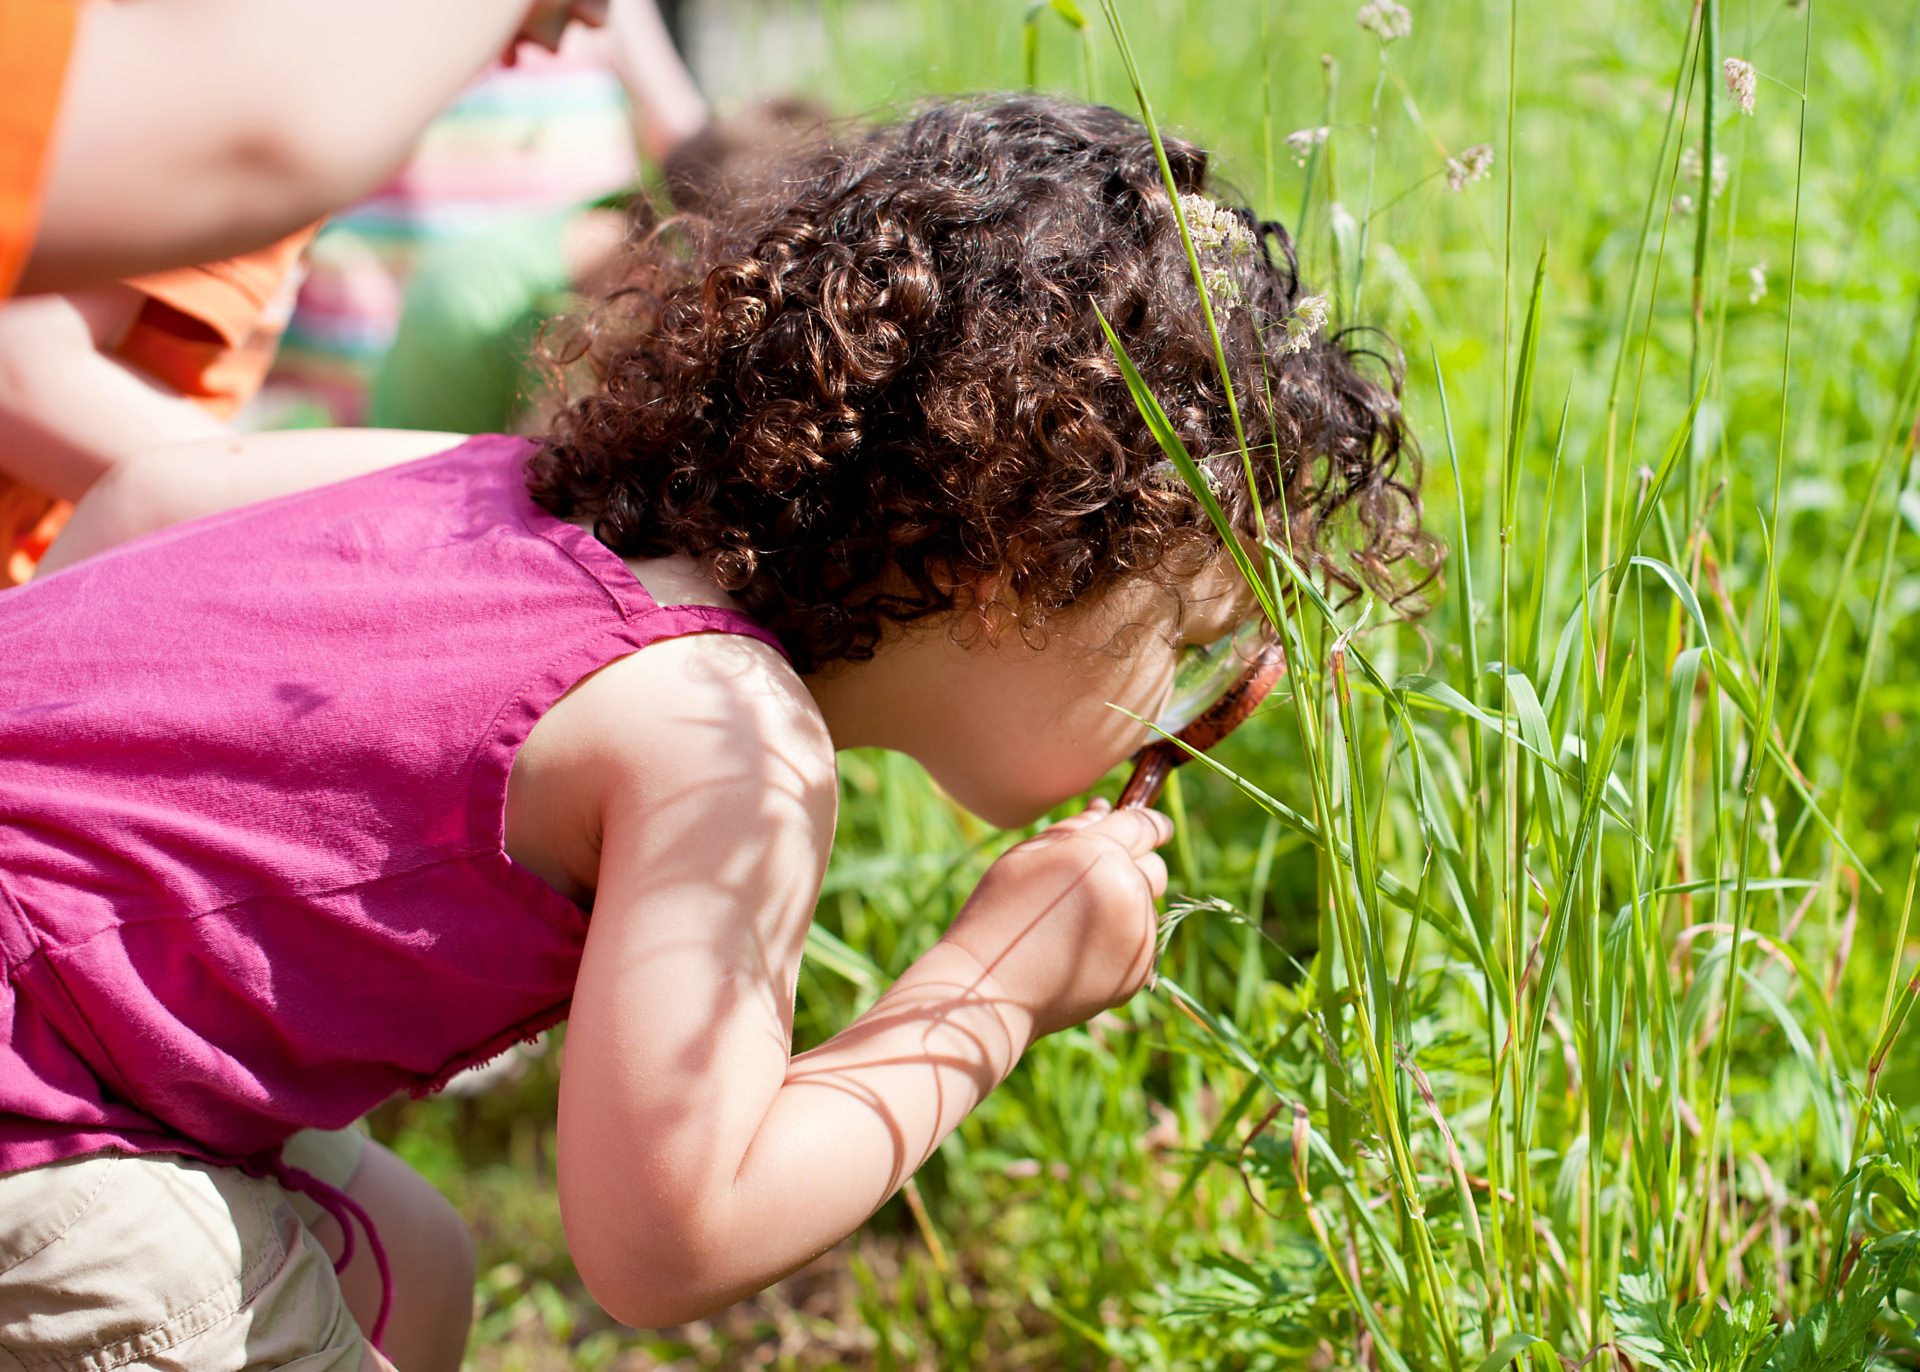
pixel 1536 969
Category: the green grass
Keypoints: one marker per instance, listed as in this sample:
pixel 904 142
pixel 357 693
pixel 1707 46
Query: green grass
pixel 1515 1011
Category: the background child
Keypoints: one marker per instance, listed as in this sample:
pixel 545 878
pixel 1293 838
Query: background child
pixel 467 352
pixel 861 471
pixel 89 377
pixel 504 178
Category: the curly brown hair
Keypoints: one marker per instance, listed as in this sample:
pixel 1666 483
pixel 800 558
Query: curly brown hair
pixel 876 376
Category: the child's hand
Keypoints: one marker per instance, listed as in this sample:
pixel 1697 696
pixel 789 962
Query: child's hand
pixel 546 23
pixel 1064 923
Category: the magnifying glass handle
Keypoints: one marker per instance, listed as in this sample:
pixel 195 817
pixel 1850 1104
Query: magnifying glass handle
pixel 1151 767
pixel 1153 762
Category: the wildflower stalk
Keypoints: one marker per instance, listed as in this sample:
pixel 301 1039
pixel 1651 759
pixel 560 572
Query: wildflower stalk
pixel 1507 868
pixel 1330 81
pixel 1709 67
pixel 1729 238
pixel 1611 425
pixel 1506 241
pixel 1683 98
pixel 1763 724
pixel 1373 161
pixel 1520 1043
pixel 1601 1071
pixel 1272 203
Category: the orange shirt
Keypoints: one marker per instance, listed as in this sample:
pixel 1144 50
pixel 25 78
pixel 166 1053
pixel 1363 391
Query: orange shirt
pixel 35 38
pixel 211 331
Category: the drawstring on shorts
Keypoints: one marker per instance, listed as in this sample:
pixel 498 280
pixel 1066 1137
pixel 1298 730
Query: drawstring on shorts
pixel 344 1210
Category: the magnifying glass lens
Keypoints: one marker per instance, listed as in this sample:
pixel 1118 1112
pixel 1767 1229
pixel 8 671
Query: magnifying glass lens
pixel 1205 674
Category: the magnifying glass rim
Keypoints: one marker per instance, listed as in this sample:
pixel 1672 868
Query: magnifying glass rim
pixel 1247 642
pixel 1233 707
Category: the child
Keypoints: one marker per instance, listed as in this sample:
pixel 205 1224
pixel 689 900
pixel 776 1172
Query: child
pixel 322 797
pixel 505 180
pixel 465 354
pixel 91 376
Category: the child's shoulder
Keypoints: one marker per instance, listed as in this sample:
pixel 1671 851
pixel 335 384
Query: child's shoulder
pixel 703 700
pixel 696 730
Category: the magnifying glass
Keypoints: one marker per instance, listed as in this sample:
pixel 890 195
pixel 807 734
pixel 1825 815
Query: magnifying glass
pixel 1215 689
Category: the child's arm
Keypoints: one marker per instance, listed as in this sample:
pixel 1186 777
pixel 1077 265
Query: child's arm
pixel 68 411
pixel 191 130
pixel 697 1163
pixel 668 107
pixel 187 480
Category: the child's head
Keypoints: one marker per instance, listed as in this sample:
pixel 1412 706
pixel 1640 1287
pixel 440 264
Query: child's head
pixel 876 383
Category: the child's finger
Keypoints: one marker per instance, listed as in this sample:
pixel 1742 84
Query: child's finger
pixel 1096 811
pixel 1138 831
pixel 1154 868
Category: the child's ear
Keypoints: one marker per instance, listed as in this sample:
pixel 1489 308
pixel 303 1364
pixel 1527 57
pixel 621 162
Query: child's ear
pixel 969 589
pixel 980 611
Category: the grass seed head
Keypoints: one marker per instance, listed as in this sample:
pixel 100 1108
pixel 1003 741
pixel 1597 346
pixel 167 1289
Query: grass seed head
pixel 1756 283
pixel 1385 20
pixel 1307 319
pixel 1474 164
pixel 1741 81
pixel 1213 225
pixel 1302 142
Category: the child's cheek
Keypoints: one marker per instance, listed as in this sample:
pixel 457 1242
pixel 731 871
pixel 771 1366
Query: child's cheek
pixel 1016 781
pixel 1056 771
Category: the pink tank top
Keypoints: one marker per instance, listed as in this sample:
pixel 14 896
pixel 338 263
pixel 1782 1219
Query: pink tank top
pixel 253 777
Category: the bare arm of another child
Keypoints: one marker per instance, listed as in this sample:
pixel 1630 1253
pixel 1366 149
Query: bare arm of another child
pixel 68 411
pixel 698 1161
pixel 192 130
pixel 668 107
pixel 184 481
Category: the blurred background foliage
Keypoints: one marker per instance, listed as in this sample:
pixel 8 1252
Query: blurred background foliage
pixel 1086 1216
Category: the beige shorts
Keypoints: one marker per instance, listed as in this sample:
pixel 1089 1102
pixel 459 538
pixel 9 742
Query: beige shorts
pixel 158 1261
